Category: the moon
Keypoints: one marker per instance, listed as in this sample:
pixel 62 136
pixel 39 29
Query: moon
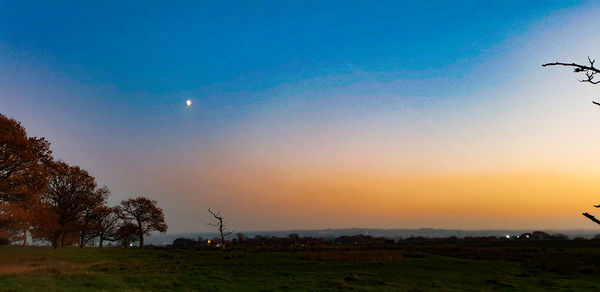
pixel 188 102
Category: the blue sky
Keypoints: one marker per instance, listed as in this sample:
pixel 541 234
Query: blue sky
pixel 246 46
pixel 283 90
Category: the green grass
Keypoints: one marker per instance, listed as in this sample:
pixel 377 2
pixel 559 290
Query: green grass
pixel 566 266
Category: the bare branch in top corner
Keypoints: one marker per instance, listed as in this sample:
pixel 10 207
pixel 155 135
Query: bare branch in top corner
pixel 589 70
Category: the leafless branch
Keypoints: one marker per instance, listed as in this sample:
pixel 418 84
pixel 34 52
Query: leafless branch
pixel 216 215
pixel 591 218
pixel 589 70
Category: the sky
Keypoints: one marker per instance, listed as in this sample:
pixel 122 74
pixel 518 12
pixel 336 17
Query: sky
pixel 316 114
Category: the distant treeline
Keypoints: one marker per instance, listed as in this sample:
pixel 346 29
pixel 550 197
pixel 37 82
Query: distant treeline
pixel 295 240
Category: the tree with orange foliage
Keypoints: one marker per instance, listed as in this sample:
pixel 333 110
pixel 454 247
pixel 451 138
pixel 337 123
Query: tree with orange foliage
pixel 17 219
pixel 46 225
pixel 145 214
pixel 23 162
pixel 71 192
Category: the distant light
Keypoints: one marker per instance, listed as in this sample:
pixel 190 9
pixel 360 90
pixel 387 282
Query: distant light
pixel 507 236
pixel 188 102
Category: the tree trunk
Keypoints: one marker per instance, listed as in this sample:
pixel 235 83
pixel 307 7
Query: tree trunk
pixel 62 239
pixel 25 234
pixel 141 235
pixel 82 239
pixel 222 237
pixel 54 240
pixel 101 240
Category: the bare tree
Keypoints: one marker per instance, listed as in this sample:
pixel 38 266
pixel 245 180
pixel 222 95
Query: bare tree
pixel 589 69
pixel 590 74
pixel 221 225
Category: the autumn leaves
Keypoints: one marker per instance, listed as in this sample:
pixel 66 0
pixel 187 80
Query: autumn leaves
pixel 52 201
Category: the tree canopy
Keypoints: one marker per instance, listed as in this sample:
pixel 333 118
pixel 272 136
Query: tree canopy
pixel 59 203
pixel 23 176
pixel 145 214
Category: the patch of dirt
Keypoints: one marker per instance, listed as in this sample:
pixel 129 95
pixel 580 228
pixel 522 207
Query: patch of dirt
pixel 17 269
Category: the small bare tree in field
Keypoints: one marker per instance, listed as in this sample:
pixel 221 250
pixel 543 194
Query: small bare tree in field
pixel 220 225
pixel 590 72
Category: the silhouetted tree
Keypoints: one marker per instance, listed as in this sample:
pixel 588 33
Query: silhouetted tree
pixel 147 215
pixel 185 242
pixel 94 200
pixel 104 224
pixel 220 225
pixel 241 238
pixel 294 237
pixel 127 233
pixel 70 193
pixel 23 177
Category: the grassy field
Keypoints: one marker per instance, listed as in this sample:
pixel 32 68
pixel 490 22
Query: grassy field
pixel 568 266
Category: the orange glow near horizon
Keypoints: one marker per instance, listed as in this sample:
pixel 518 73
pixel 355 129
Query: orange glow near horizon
pixel 507 170
pixel 278 197
pixel 290 139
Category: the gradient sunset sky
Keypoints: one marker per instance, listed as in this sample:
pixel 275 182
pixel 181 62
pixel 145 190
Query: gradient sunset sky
pixel 324 114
